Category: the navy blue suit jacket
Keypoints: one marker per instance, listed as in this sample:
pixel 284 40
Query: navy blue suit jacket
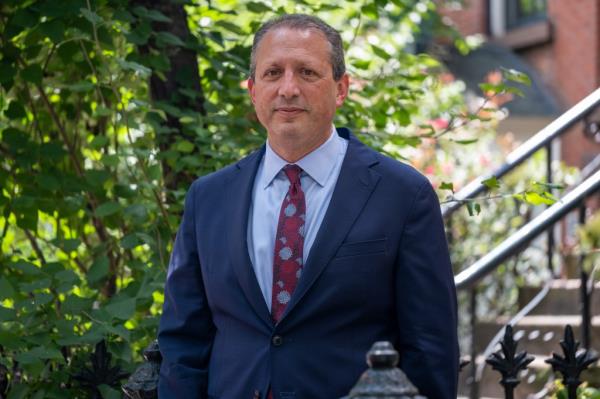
pixel 378 270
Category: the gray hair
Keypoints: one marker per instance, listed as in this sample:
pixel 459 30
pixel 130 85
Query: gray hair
pixel 300 22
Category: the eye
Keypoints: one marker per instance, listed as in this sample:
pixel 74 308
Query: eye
pixel 307 72
pixel 271 73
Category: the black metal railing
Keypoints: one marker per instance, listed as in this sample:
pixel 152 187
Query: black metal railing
pixel 513 244
pixel 540 140
pixel 510 363
pixel 467 279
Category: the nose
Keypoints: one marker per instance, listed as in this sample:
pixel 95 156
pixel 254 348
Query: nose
pixel 289 86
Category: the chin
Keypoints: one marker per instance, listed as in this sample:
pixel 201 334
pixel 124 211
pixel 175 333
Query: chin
pixel 288 130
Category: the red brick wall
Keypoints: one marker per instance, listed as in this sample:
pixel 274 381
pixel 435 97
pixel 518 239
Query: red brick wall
pixel 575 48
pixel 575 51
pixel 569 65
pixel 468 19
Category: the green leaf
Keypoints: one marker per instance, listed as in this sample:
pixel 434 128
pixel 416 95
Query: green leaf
pixel 258 8
pixel 108 392
pixel 25 18
pixel 370 10
pixel 102 111
pixel 534 198
pixel 361 64
pixel 81 86
pixel 381 53
pixel 121 308
pixel 152 15
pixel 184 146
pixel 98 270
pixel 91 16
pixel 42 298
pixel 110 160
pixel 7 73
pixel 134 66
pixel 230 27
pixel 18 391
pixel 473 208
pixel 465 142
pixel 27 268
pixel 99 142
pixel 74 304
pixel 33 74
pixel 6 289
pixel 10 340
pixel 140 34
pixel 130 241
pixel 108 208
pixel 137 213
pixel 96 178
pixel 67 276
pixel 7 314
pixel 516 76
pixel 54 30
pixel 491 183
pixel 447 186
pixel 48 181
pixel 123 15
pixel 515 90
pixel 70 245
pixel 43 353
pixel 168 39
pixel 493 88
pixel 15 110
pixel 53 151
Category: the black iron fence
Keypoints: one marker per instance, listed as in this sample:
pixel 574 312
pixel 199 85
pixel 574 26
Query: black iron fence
pixel 384 380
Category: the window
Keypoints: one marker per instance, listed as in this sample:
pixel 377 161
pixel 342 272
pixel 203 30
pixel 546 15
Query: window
pixel 523 12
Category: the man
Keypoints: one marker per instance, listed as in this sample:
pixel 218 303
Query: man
pixel 289 264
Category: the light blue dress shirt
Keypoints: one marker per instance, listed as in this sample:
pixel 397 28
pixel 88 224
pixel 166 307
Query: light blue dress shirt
pixel 321 169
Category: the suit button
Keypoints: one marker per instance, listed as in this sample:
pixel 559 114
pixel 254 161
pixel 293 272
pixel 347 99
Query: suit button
pixel 277 340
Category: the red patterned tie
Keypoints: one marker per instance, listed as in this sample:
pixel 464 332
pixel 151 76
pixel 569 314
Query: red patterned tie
pixel 289 243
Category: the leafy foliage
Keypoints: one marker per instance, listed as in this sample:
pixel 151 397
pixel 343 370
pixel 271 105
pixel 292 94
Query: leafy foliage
pixel 94 165
pixel 110 108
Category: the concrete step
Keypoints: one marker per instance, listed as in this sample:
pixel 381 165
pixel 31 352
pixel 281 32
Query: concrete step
pixel 536 333
pixel 564 297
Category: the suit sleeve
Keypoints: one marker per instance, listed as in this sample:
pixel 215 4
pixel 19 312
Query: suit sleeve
pixel 426 301
pixel 186 330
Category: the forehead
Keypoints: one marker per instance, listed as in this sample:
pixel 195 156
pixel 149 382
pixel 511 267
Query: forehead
pixel 309 42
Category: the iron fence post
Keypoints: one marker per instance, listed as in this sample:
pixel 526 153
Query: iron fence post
pixel 383 380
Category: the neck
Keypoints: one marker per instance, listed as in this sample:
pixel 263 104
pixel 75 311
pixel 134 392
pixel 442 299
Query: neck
pixel 292 150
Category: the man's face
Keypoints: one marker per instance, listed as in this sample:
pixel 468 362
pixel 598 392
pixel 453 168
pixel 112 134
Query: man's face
pixel 293 91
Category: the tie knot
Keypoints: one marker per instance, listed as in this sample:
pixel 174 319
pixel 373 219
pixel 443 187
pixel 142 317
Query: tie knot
pixel 293 173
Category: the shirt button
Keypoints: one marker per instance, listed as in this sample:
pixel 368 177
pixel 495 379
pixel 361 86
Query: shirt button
pixel 277 340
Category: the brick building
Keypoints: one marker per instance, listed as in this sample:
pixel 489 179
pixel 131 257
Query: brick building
pixel 559 40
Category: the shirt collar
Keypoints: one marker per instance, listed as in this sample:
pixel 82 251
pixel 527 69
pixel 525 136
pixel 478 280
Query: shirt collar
pixel 318 164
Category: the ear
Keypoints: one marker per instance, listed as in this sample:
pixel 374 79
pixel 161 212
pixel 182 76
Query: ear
pixel 342 90
pixel 250 83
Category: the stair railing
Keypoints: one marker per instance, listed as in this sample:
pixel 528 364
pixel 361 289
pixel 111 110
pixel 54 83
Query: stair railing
pixel 524 152
pixel 513 244
pixel 467 278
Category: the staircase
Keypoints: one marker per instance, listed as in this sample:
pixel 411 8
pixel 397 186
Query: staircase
pixel 540 328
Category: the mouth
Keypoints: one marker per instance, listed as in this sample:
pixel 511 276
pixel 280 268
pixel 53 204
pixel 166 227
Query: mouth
pixel 289 111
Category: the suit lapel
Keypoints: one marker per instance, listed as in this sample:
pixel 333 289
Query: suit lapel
pixel 239 196
pixel 354 186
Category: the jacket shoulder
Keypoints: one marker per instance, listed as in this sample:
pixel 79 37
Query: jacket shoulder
pixel 399 173
pixel 218 179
